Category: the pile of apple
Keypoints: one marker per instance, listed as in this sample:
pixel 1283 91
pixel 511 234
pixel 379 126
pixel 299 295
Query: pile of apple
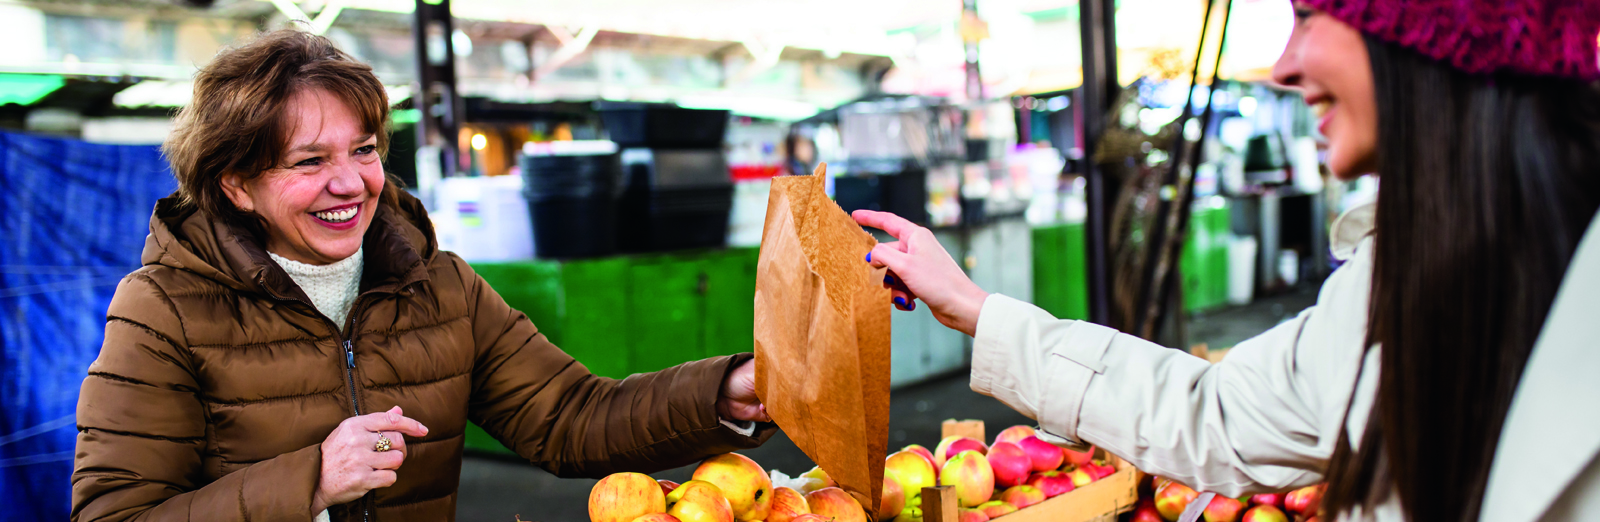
pixel 725 488
pixel 1017 471
pixel 1170 499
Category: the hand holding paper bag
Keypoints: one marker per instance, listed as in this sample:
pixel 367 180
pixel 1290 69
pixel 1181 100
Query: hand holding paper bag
pixel 822 335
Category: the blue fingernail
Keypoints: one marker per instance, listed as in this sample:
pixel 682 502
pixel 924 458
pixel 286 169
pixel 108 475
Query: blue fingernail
pixel 900 301
pixel 869 257
pixel 912 307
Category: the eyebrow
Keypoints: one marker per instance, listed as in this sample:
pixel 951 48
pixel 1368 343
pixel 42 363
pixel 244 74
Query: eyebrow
pixel 319 147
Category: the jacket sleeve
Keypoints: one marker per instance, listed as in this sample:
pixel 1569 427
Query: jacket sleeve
pixel 548 408
pixel 1264 419
pixel 141 431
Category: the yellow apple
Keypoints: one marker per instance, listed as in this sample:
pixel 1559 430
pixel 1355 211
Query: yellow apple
pixel 623 497
pixel 834 503
pixel 698 501
pixel 787 505
pixel 746 486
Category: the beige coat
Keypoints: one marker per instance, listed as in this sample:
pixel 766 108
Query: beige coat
pixel 1267 417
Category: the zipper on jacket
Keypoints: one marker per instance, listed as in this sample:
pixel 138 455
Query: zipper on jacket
pixel 349 374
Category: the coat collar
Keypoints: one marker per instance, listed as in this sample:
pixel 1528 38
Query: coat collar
pixel 398 245
pixel 1552 431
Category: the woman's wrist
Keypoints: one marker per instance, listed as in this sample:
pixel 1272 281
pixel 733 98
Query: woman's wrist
pixel 971 306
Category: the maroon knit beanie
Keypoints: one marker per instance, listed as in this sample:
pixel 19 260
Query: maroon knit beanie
pixel 1533 37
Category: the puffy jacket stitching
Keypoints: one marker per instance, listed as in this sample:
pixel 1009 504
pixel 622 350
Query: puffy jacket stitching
pixel 263 344
pixel 391 332
pixel 244 510
pixel 243 402
pixel 130 380
pixel 167 299
pixel 417 383
pixel 182 440
pixel 147 329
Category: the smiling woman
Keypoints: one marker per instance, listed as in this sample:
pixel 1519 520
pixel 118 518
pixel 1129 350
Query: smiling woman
pixel 296 346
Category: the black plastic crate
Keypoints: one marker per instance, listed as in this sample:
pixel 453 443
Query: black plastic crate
pixel 658 126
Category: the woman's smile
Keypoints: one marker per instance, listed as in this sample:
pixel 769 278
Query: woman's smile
pixel 342 217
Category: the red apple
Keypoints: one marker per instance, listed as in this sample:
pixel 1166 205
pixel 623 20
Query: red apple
pixel 787 505
pixel 747 487
pixel 1223 509
pixel 1306 500
pixel 834 503
pixel 1011 465
pixel 1052 482
pixel 1022 496
pixel 667 486
pixel 969 473
pixel 622 497
pixel 1045 456
pixel 954 445
pixel 893 499
pixel 1265 513
pixel 809 517
pixel 1173 499
pixel 1079 458
pixel 1013 434
pixel 1267 499
pixel 1099 471
pixel 995 508
pixel 1146 512
pixel 918 449
pixel 972 515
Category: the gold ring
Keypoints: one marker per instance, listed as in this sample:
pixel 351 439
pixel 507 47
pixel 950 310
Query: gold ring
pixel 382 445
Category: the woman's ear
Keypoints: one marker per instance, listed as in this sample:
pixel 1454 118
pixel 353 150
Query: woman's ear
pixel 234 187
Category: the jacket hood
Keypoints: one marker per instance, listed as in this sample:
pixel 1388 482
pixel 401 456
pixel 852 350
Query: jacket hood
pixel 398 244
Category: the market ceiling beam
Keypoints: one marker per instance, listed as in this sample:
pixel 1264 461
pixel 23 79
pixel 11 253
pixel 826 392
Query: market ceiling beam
pixel 319 24
pixel 571 47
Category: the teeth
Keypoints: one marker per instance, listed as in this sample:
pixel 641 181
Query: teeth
pixel 337 216
pixel 1321 108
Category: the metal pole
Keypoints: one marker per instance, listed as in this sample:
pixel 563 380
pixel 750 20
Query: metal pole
pixel 1099 90
pixel 1186 197
pixel 435 95
pixel 1150 277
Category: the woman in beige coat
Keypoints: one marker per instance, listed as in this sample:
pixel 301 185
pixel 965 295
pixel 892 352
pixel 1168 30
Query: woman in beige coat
pixel 1472 272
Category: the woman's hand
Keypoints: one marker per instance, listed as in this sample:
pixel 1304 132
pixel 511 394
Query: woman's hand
pixel 351 464
pixel 738 399
pixel 919 268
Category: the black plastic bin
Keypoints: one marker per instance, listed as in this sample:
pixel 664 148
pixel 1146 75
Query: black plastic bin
pixel 663 126
pixel 674 219
pixel 572 203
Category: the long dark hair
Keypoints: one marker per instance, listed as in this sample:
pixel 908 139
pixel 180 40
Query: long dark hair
pixel 1487 185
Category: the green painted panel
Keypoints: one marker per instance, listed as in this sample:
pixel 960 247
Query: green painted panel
pixel 667 311
pixel 595 308
pixel 1060 284
pixel 730 302
pixel 532 288
pixel 1204 260
pixel 23 89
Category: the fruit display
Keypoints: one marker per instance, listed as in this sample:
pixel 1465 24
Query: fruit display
pixel 1018 474
pixel 1166 500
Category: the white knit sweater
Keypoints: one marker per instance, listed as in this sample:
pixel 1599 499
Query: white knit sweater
pixel 331 287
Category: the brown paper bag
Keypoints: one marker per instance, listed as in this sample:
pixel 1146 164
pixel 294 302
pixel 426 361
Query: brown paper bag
pixel 822 335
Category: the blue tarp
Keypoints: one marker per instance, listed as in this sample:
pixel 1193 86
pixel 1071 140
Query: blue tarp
pixel 73 218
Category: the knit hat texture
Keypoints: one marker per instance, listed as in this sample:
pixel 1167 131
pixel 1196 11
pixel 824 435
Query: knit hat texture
pixel 1531 37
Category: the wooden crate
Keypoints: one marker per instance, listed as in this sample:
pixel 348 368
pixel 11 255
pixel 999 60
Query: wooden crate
pixel 1100 501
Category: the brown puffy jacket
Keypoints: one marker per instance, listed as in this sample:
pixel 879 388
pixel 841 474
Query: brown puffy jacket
pixel 218 382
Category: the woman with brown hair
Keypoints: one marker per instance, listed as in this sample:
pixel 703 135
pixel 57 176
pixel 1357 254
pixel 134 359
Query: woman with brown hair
pixel 297 347
pixel 1449 368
